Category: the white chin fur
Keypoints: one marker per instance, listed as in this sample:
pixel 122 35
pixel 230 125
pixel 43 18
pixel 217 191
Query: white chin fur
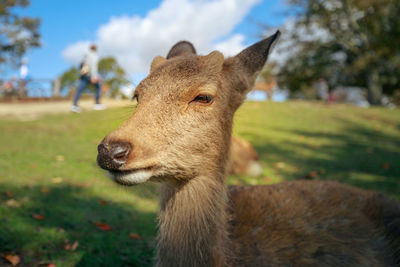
pixel 132 178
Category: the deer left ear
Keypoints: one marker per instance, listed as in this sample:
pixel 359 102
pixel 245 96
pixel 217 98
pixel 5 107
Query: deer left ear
pixel 245 66
pixel 157 61
pixel 253 58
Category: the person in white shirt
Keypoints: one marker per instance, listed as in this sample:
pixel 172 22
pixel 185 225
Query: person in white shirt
pixel 89 74
pixel 23 77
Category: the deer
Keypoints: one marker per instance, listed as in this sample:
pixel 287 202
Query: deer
pixel 179 136
pixel 243 159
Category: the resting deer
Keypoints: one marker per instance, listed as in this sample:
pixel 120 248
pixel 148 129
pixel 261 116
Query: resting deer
pixel 179 135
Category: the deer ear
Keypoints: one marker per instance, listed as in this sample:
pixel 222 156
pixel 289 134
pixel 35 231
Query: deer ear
pixel 157 61
pixel 253 58
pixel 181 48
pixel 214 61
pixel 248 63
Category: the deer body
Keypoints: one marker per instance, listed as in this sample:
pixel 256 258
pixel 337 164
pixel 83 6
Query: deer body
pixel 180 134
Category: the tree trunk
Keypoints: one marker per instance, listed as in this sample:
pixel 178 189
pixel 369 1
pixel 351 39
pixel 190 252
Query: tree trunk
pixel 374 88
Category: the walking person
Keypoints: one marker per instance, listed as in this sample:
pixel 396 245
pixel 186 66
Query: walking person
pixel 89 74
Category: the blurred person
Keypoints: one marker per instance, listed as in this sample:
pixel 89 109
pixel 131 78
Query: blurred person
pixel 89 74
pixel 23 77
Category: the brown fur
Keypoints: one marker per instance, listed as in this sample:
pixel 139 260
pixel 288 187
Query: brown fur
pixel 174 139
pixel 243 158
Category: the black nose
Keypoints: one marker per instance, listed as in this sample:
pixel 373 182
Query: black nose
pixel 113 155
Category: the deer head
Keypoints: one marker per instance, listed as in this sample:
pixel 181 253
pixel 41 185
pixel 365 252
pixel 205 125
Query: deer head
pixel 182 124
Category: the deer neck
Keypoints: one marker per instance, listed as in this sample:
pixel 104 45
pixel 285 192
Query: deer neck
pixel 193 223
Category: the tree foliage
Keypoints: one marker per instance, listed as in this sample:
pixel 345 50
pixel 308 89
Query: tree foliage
pixel 113 74
pixel 17 33
pixel 69 77
pixel 355 43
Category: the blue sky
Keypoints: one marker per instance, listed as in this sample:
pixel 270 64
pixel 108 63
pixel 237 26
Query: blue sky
pixel 73 24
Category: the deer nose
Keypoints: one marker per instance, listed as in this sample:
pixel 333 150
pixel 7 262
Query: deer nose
pixel 111 156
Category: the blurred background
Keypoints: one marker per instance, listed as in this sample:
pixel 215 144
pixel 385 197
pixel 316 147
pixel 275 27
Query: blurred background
pixel 325 107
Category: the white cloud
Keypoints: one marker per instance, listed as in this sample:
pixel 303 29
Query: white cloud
pixel 135 40
pixel 74 53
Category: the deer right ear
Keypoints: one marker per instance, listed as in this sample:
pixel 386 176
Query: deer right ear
pixel 157 61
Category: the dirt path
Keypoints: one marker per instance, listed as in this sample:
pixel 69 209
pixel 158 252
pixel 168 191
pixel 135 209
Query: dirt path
pixel 34 110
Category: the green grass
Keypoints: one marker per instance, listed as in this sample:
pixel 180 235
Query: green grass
pixel 49 167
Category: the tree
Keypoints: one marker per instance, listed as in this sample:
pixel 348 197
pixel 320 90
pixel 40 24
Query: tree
pixel 356 44
pixel 69 78
pixel 17 34
pixel 113 74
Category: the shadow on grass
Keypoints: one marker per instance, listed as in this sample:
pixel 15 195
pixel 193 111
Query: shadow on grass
pixel 358 155
pixel 69 215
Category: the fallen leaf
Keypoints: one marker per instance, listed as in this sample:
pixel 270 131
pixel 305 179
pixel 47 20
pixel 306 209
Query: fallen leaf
pixel 134 236
pixel 13 259
pixel 25 199
pixel 12 203
pixel 103 226
pixel 267 179
pixel 71 247
pixel 57 180
pixel 386 166
pixel 103 202
pixel 83 185
pixel 9 194
pixel 38 217
pixel 59 158
pixel 33 165
pixel 280 165
pixel 45 189
pixel 74 245
pixel 51 265
pixel 311 175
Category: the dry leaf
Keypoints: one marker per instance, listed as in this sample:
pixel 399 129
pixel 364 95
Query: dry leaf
pixel 59 158
pixel 134 236
pixel 103 226
pixel 33 165
pixel 267 179
pixel 83 185
pixel 12 203
pixel 38 216
pixel 280 165
pixel 9 194
pixel 57 180
pixel 386 166
pixel 51 265
pixel 45 189
pixel 103 202
pixel 13 259
pixel 311 175
pixel 74 245
pixel 71 247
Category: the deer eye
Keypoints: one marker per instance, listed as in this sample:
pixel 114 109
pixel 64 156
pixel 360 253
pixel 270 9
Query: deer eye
pixel 203 99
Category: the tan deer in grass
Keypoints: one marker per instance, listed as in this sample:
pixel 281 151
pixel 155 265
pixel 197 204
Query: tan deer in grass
pixel 179 135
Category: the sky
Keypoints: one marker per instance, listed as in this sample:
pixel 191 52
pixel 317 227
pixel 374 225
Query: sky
pixel 134 32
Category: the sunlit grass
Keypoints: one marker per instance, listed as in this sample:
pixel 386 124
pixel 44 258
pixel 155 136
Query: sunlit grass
pixel 47 167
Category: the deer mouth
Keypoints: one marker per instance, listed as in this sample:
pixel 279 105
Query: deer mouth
pixel 131 177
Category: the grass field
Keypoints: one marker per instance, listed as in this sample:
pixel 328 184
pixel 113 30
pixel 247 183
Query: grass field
pixel 57 207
